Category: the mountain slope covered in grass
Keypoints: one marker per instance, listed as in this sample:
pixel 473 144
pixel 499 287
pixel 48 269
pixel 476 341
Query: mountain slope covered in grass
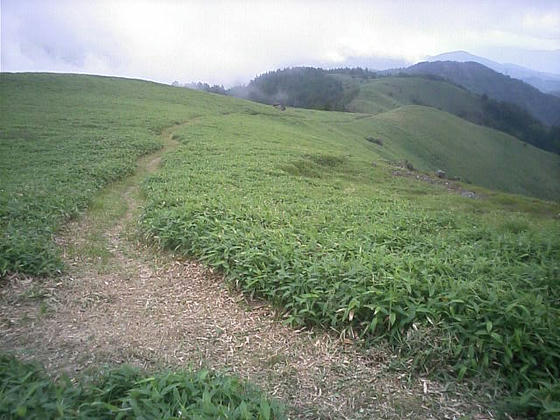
pixel 431 139
pixel 482 80
pixel 310 216
pixel 309 210
pixel 65 136
pixel 386 93
pixel 378 95
pixel 359 90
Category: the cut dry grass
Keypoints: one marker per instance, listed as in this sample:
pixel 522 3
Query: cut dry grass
pixel 337 242
pixel 153 310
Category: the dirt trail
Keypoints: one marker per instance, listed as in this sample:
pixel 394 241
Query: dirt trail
pixel 123 302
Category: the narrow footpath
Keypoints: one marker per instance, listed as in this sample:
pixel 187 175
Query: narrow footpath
pixel 122 301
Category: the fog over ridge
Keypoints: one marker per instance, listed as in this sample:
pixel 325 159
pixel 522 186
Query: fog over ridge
pixel 230 42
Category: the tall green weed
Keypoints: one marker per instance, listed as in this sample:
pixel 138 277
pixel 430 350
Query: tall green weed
pixel 127 393
pixel 348 248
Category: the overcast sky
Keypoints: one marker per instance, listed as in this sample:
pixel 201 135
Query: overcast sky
pixel 228 42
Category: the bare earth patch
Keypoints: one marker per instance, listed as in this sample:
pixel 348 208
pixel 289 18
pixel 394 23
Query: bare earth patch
pixel 450 185
pixel 129 303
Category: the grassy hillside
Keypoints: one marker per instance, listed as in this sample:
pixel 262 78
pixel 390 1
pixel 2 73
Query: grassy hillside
pixel 386 93
pixel 482 80
pixel 379 95
pixel 356 90
pixel 302 218
pixel 299 208
pixel 432 139
pixel 64 137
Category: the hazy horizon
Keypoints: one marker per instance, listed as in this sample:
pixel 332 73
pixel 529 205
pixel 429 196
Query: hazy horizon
pixel 227 43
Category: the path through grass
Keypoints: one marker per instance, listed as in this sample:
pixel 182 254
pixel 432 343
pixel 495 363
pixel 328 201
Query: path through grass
pixel 307 222
pixel 123 303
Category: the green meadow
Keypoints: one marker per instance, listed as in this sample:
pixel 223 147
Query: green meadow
pixel 431 139
pixel 63 138
pixel 293 212
pixel 299 208
pixel 386 93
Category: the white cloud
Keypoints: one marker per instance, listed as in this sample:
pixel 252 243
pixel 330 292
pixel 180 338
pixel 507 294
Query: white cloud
pixel 232 41
pixel 546 25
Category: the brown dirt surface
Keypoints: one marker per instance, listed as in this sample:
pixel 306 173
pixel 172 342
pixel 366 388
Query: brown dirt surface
pixel 130 303
pixel 450 185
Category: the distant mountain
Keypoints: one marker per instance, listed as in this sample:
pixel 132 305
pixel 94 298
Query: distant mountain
pixel 485 81
pixel 360 90
pixel 370 62
pixel 387 93
pixel 545 61
pixel 545 82
pixel 464 56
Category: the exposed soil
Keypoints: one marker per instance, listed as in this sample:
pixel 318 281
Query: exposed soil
pixel 449 184
pixel 129 303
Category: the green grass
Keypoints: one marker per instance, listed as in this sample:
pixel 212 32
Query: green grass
pixel 294 212
pixel 127 393
pixel 299 208
pixel 387 93
pixel 433 139
pixel 62 138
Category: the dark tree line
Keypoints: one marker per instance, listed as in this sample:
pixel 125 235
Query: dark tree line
pixel 355 72
pixel 219 89
pixel 514 120
pixel 303 87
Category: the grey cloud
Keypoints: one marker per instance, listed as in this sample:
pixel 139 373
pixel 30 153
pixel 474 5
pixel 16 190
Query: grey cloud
pixel 226 42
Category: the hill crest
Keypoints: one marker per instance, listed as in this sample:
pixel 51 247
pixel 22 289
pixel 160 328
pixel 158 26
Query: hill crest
pixel 545 82
pixel 483 80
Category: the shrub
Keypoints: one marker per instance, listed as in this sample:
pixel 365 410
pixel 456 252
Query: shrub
pixel 375 140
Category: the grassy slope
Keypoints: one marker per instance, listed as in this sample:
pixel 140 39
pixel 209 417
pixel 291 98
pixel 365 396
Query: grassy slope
pixel 384 94
pixel 480 79
pixel 301 217
pixel 432 139
pixel 104 124
pixel 289 205
pixel 65 136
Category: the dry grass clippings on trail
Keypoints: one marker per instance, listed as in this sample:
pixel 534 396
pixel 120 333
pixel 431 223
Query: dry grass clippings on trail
pixel 150 309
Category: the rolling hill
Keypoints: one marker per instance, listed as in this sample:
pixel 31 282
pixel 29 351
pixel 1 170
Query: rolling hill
pixel 301 208
pixel 433 139
pixel 378 95
pixel 128 115
pixel 482 80
pixel 545 82
pixel 386 93
pixel 359 90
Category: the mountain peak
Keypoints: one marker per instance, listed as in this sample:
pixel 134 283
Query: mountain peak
pixel 543 81
pixel 463 56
